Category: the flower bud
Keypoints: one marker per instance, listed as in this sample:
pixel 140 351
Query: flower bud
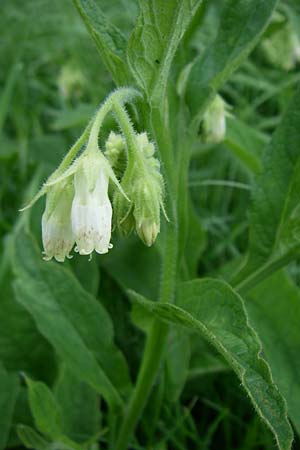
pixel 115 150
pixel 282 48
pixel 144 185
pixel 57 235
pixel 214 121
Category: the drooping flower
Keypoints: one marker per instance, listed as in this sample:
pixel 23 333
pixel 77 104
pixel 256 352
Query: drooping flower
pixel 57 235
pixel 91 208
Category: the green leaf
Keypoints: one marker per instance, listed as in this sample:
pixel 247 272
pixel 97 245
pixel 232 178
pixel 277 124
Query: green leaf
pixel 8 395
pixel 242 22
pixel 108 38
pixel 177 363
pixel 274 214
pixel 274 310
pixel 245 143
pixel 79 406
pixel 154 41
pixel 22 347
pixel 31 439
pixel 44 408
pixel 214 310
pixel 75 324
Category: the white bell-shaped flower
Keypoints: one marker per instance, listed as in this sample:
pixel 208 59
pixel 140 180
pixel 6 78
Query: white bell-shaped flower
pixel 57 235
pixel 91 208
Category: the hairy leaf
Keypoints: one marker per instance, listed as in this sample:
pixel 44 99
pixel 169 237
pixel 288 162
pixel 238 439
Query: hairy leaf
pixel 272 301
pixel 274 214
pixel 241 25
pixel 108 38
pixel 213 309
pixel 154 41
pixel 75 324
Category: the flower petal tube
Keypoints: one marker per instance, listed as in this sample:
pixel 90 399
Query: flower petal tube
pixel 91 208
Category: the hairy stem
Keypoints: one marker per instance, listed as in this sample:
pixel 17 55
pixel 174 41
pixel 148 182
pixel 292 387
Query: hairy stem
pixel 267 269
pixel 157 337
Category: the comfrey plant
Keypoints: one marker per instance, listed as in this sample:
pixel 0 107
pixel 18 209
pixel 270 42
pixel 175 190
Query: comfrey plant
pixel 188 289
pixel 78 208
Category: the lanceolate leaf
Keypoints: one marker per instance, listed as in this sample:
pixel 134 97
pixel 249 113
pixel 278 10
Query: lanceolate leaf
pixel 155 39
pixel 108 38
pixel 213 309
pixel 241 25
pixel 75 324
pixel 274 213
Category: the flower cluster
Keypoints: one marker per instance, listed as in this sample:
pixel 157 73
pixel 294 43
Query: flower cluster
pixel 78 209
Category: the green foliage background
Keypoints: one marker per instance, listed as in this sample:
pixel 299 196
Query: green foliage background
pixel 72 336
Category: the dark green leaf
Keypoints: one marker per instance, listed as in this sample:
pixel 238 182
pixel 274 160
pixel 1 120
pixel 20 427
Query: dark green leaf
pixel 108 38
pixel 79 405
pixel 274 214
pixel 75 324
pixel 241 25
pixel 154 41
pixel 274 309
pixel 213 309
pixel 9 384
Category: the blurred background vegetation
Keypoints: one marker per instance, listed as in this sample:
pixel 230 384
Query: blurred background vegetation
pixel 52 80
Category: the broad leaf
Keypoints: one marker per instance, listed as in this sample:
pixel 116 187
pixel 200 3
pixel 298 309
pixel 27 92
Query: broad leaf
pixel 108 38
pixel 79 406
pixel 274 309
pixel 75 324
pixel 213 309
pixel 274 214
pixel 241 25
pixel 155 39
pixel 8 394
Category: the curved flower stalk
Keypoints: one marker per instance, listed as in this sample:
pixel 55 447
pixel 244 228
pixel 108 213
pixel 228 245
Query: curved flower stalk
pixel 78 208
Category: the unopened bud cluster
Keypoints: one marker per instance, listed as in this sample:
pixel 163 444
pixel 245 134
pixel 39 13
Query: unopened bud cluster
pixel 79 210
pixel 143 183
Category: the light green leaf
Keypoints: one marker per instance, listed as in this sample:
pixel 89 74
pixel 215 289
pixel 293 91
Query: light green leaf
pixel 44 408
pixel 274 214
pixel 31 439
pixel 214 310
pixel 108 38
pixel 241 25
pixel 8 395
pixel 154 41
pixel 75 324
pixel 274 310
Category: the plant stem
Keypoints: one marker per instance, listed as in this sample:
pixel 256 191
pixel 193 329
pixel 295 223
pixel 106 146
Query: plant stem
pixel 154 349
pixel 157 337
pixel 266 270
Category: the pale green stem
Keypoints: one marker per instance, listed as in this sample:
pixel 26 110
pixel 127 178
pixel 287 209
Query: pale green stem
pixel 266 270
pixel 157 337
pixel 117 97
